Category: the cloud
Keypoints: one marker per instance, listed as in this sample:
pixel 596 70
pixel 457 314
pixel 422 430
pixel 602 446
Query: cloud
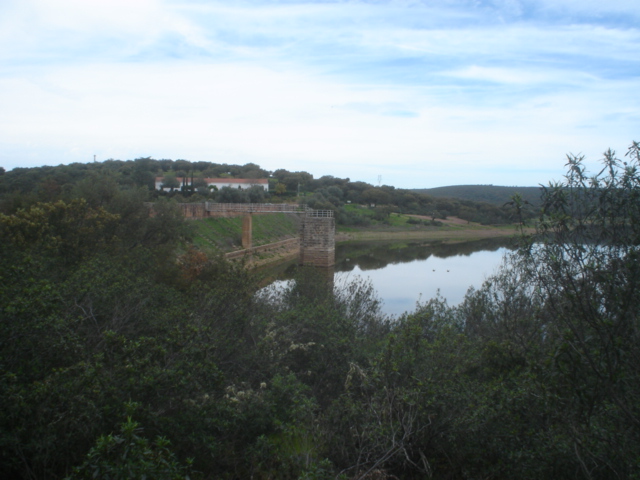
pixel 524 76
pixel 350 88
pixel 47 31
pixel 391 109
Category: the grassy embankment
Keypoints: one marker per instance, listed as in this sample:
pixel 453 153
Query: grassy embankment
pixel 223 235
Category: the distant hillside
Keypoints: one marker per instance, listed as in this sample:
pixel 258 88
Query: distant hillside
pixel 100 182
pixel 484 193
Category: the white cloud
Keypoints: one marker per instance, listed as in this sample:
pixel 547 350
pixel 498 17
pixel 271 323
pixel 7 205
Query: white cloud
pixel 232 113
pixel 591 8
pixel 47 30
pixel 517 76
pixel 440 90
pixel 91 15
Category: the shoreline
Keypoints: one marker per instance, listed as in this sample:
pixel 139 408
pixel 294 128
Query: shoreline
pixel 286 250
pixel 470 234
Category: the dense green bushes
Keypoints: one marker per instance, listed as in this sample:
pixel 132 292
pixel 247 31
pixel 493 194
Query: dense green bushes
pixel 124 352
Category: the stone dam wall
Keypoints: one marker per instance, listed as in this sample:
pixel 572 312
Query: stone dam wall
pixel 317 228
pixel 317 241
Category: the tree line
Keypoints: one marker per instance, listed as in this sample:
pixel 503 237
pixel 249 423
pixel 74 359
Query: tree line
pixel 22 187
pixel 495 194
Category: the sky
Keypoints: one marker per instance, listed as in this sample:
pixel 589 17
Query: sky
pixel 409 93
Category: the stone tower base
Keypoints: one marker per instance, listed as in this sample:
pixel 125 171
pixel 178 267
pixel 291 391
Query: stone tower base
pixel 317 241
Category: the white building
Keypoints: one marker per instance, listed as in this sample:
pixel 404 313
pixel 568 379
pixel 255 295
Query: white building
pixel 240 183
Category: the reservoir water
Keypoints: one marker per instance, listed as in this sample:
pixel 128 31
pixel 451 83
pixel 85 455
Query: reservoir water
pixel 403 273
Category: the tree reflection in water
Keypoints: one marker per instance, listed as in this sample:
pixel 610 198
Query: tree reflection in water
pixel 404 273
pixel 377 255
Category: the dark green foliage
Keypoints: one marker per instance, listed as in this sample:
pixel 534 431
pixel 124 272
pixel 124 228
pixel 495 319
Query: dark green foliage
pixel 21 187
pixel 128 455
pixel 170 181
pixel 493 194
pixel 232 195
pixel 587 269
pixel 109 313
pixel 350 217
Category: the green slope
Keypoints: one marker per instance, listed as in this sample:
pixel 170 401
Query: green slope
pixel 225 234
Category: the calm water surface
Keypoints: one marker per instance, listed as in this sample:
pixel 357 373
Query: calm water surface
pixel 405 273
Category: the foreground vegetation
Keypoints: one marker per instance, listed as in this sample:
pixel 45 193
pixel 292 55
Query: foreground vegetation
pixel 125 354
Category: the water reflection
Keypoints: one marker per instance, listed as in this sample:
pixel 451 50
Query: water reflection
pixel 377 255
pixel 405 272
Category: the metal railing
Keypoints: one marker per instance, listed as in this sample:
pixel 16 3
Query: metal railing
pixel 320 213
pixel 255 207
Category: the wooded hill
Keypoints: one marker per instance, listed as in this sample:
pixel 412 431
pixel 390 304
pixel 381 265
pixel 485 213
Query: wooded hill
pixel 22 187
pixel 493 194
